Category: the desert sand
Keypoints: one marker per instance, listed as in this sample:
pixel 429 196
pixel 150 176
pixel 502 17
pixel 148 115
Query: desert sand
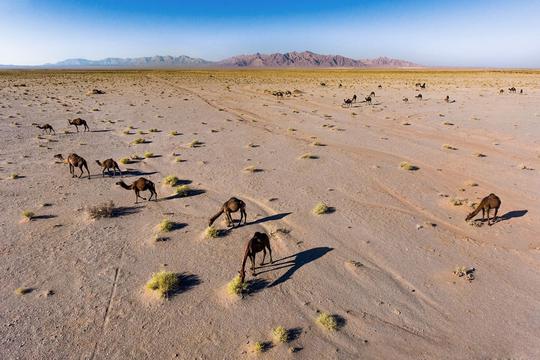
pixel 381 261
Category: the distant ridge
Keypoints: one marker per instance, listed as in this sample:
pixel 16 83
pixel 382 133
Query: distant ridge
pixel 276 60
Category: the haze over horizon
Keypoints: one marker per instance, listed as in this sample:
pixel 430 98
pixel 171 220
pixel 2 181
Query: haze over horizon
pixel 444 33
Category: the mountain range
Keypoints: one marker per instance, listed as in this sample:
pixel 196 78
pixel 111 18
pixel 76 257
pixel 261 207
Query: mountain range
pixel 290 59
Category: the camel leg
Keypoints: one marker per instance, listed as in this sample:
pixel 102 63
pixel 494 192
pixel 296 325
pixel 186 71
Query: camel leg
pixel 76 127
pixel 243 214
pixel 270 252
pixel 488 209
pixel 82 171
pixel 103 172
pixel 264 256
pixel 72 170
pixel 483 214
pixel 229 218
pixel 136 196
pixel 495 216
pixel 252 259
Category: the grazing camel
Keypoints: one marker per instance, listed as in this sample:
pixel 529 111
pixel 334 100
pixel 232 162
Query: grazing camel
pixel 368 99
pixel 74 160
pixel 347 102
pixel 79 122
pixel 491 201
pixel 141 184
pixel 230 206
pixel 380 86
pixel 259 242
pixel 512 89
pixel 288 93
pixel 108 165
pixel 419 96
pixel 423 86
pixel 501 91
pixel 46 128
pixel 372 94
pixel 405 99
pixel 354 98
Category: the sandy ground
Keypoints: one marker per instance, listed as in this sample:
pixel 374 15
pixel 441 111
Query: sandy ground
pixel 382 261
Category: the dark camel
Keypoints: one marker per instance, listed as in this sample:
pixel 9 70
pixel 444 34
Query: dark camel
pixel 512 89
pixel 354 98
pixel 46 128
pixel 368 99
pixel 259 242
pixel 108 165
pixel 74 160
pixel 347 102
pixel 491 201
pixel 405 99
pixel 230 206
pixel 141 184
pixel 79 122
pixel 419 96
pixel 372 94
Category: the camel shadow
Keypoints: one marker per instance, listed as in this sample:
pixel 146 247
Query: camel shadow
pixel 256 285
pixel 126 210
pixel 295 263
pixel 100 131
pixel 513 214
pixel 136 172
pixel 269 218
pixel 188 193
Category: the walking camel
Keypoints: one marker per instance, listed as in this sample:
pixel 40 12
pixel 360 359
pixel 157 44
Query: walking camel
pixel 74 160
pixel 491 201
pixel 419 96
pixel 79 122
pixel 230 206
pixel 46 128
pixel 141 184
pixel 259 242
pixel 368 99
pixel 108 165
pixel 354 98
pixel 347 102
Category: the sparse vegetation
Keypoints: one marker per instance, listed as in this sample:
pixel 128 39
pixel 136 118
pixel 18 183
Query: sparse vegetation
pixel 171 180
pixel 211 232
pixel 124 160
pixel 449 147
pixel 27 215
pixel 153 130
pixel 308 156
pixel 236 286
pixel 327 321
pixel 280 334
pixel 165 225
pixel 321 208
pixel 139 141
pixel 174 133
pixel 408 166
pixel 195 143
pixel 104 210
pixel 252 169
pixel 183 190
pixel 163 282
pixel 14 176
pixel 23 291
pixel 148 154
pixel 259 347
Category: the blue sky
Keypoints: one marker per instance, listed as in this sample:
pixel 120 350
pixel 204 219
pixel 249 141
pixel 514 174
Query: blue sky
pixel 438 33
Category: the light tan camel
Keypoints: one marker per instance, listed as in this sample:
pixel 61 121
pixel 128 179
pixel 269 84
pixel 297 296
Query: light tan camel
pixel 74 160
pixel 491 201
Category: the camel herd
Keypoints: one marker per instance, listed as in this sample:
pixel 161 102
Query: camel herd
pixel 260 241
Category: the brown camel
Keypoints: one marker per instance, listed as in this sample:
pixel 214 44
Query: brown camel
pixel 491 201
pixel 141 184
pixel 501 91
pixel 74 160
pixel 79 122
pixel 372 94
pixel 405 99
pixel 368 99
pixel 419 96
pixel 108 165
pixel 347 102
pixel 259 242
pixel 278 94
pixel 46 128
pixel 512 89
pixel 230 206
pixel 354 98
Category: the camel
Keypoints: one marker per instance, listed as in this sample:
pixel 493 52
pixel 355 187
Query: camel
pixel 46 128
pixel 405 99
pixel 79 122
pixel 372 94
pixel 108 165
pixel 419 96
pixel 141 184
pixel 232 205
pixel 347 102
pixel 380 86
pixel 491 201
pixel 521 91
pixel 278 94
pixel 259 242
pixel 368 99
pixel 74 160
pixel 288 93
pixel 447 99
pixel 354 98
pixel 423 86
pixel 512 89
pixel 501 91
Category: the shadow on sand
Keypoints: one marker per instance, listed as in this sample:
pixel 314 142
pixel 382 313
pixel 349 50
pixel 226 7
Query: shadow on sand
pixel 293 263
pixel 269 218
pixel 513 214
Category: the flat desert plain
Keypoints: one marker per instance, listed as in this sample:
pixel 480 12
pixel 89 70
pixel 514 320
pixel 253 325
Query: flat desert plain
pixel 380 261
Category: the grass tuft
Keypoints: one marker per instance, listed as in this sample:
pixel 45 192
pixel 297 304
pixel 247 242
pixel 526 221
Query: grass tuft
pixel 321 208
pixel 280 334
pixel 28 215
pixel 171 180
pixel 138 141
pixel 165 225
pixel 449 147
pixel 236 287
pixel 195 143
pixel 174 133
pixel 211 232
pixel 124 160
pixel 23 291
pixel 308 156
pixel 408 166
pixel 148 154
pixel 183 190
pixel 327 321
pixel 259 347
pixel 104 210
pixel 164 282
pixel 14 176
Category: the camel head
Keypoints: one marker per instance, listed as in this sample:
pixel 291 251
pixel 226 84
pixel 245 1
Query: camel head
pixel 59 156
